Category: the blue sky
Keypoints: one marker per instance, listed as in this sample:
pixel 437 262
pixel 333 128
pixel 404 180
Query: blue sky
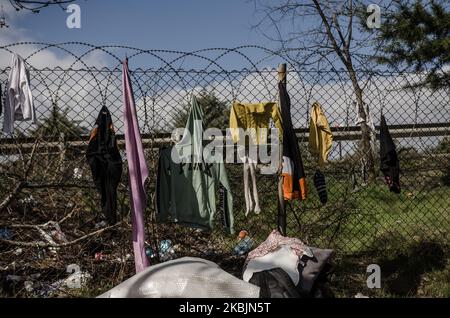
pixel 162 24
pixel 181 25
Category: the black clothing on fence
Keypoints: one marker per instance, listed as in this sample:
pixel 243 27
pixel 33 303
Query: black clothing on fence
pixel 105 161
pixel 321 186
pixel 294 177
pixel 293 174
pixel 389 163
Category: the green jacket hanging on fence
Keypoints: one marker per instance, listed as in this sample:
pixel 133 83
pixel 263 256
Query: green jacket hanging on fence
pixel 187 183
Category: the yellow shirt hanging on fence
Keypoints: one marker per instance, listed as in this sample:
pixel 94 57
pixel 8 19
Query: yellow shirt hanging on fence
pixel 255 117
pixel 320 136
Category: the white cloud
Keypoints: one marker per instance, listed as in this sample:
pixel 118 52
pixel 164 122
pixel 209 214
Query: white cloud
pixel 49 57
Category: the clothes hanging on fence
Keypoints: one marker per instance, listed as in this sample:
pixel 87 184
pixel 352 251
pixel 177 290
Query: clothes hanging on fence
pixel 321 186
pixel 255 119
pixel 187 182
pixel 105 162
pixel 137 170
pixel 293 173
pixel 359 119
pixel 251 202
pixel 389 163
pixel 19 104
pixel 320 136
pixel 320 143
pixel 372 132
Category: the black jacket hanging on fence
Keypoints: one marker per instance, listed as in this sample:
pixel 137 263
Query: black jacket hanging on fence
pixel 106 163
pixel 294 178
pixel 389 163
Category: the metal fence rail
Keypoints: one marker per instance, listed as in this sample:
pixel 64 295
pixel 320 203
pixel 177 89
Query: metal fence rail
pixel 44 175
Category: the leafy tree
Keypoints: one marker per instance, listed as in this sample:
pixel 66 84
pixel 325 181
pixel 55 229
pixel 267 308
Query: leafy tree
pixel 216 112
pixel 418 35
pixel 443 146
pixel 57 123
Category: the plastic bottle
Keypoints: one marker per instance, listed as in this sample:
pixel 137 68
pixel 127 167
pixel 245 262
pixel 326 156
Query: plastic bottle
pixel 166 251
pixel 244 245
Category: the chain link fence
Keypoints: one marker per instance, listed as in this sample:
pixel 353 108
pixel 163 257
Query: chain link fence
pixel 50 214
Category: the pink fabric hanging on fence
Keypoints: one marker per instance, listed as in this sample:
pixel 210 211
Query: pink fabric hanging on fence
pixel 137 168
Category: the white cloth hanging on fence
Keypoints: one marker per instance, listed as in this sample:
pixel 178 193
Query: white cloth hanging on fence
pixel 19 99
pixel 368 119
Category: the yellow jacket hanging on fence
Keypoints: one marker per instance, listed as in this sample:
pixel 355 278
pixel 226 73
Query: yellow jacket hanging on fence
pixel 320 137
pixel 255 117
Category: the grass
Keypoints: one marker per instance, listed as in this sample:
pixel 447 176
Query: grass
pixel 406 234
pixel 410 269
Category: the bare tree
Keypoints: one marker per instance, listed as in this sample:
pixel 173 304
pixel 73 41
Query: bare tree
pixel 312 33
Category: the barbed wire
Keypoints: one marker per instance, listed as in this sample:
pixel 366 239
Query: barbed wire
pixel 212 60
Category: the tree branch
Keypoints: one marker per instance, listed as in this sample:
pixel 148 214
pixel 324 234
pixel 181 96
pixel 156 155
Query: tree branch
pixel 330 33
pixel 45 245
pixel 349 29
